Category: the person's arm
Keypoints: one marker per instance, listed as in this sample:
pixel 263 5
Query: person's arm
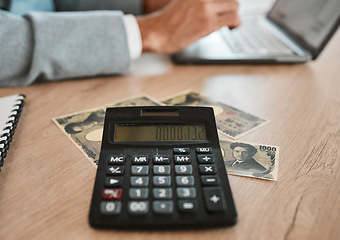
pixel 134 7
pixel 52 46
pixel 181 23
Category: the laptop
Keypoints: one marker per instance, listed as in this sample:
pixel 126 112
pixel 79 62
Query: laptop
pixel 293 31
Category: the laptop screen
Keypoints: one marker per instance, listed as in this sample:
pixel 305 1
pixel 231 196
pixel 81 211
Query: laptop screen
pixel 311 22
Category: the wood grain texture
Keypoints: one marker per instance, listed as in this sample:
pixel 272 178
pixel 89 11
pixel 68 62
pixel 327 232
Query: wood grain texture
pixel 46 184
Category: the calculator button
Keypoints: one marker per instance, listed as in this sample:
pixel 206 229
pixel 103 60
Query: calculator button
pixel 139 181
pixel 214 200
pixel 162 181
pixel 204 150
pixel 185 180
pixel 186 192
pixel 161 170
pixel 183 169
pixel 187 205
pixel 162 193
pixel 116 159
pixel 182 159
pixel 139 170
pixel 182 150
pixel 138 193
pixel 210 180
pixel 112 194
pixel 141 207
pixel 163 207
pixel 208 158
pixel 161 159
pixel 207 169
pixel 114 181
pixel 115 170
pixel 140 159
pixel 108 208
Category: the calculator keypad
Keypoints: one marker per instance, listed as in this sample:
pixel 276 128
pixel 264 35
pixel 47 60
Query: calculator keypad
pixel 163 184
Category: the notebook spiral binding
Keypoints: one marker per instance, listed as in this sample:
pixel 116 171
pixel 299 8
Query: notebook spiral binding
pixel 8 131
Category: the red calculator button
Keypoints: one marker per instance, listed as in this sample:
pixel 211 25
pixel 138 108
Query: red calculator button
pixel 112 193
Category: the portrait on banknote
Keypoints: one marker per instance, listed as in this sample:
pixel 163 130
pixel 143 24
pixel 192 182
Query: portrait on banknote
pixel 230 121
pixel 250 160
pixel 85 128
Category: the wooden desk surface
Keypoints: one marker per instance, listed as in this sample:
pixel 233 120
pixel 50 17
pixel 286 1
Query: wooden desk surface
pixel 46 184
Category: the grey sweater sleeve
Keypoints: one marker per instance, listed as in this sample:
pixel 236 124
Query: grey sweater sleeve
pixel 51 46
pixel 127 6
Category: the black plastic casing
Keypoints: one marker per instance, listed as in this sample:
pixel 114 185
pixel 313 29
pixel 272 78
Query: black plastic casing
pixel 186 115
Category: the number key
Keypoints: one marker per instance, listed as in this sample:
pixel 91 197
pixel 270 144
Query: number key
pixel 138 193
pixel 162 181
pixel 161 170
pixel 139 170
pixel 183 169
pixel 139 181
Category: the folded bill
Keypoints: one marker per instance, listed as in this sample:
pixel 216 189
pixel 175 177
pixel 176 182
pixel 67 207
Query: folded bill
pixel 85 128
pixel 232 122
pixel 250 160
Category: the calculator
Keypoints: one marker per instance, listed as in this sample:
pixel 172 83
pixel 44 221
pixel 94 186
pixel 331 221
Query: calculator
pixel 161 168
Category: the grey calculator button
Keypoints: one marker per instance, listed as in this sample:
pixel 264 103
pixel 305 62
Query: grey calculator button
pixel 139 170
pixel 185 181
pixel 162 193
pixel 186 192
pixel 138 193
pixel 183 169
pixel 161 181
pixel 161 170
pixel 138 207
pixel 163 207
pixel 110 208
pixel 139 181
pixel 187 205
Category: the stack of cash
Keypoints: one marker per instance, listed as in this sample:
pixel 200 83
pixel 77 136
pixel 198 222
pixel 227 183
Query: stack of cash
pixel 243 159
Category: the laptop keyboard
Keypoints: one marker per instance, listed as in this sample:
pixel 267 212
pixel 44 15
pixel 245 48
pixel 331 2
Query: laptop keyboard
pixel 254 39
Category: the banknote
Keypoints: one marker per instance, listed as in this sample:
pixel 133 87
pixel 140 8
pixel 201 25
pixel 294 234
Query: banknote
pixel 250 160
pixel 232 122
pixel 85 128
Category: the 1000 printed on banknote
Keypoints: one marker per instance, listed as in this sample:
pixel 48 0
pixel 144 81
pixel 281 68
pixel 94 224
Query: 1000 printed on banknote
pixel 250 160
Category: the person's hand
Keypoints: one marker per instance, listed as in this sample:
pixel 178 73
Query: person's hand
pixel 154 5
pixel 183 22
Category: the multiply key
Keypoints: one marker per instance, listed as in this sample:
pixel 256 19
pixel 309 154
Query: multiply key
pixel 207 169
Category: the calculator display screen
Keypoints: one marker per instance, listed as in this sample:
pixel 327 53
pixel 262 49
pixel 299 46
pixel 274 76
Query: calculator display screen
pixel 159 132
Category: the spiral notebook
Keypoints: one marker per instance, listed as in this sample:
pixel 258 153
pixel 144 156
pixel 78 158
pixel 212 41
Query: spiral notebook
pixel 10 111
